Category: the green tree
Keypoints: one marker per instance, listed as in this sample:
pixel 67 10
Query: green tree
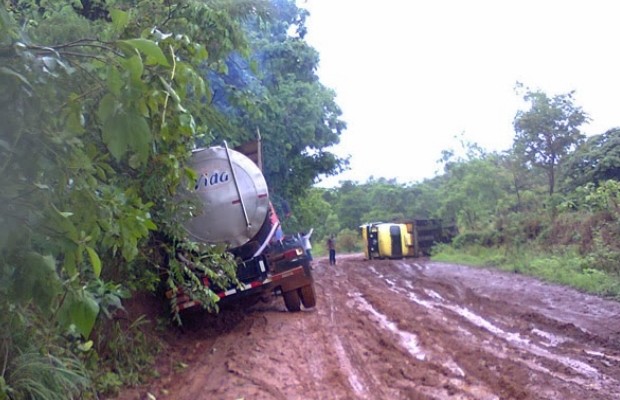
pixel 296 132
pixel 386 201
pixel 521 177
pixel 332 224
pixel 473 190
pixel 421 199
pixel 310 211
pixel 596 160
pixel 296 115
pixel 351 202
pixel 349 240
pixel 548 131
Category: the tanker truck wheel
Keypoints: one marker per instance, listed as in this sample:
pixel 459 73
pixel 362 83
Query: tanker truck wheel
pixel 308 297
pixel 291 301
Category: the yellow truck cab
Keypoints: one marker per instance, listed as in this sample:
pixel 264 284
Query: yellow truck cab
pixel 411 238
pixel 386 240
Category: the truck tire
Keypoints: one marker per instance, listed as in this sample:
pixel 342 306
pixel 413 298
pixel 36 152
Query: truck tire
pixel 308 297
pixel 291 301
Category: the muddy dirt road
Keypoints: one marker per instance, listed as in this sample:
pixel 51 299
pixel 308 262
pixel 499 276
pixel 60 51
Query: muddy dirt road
pixel 404 329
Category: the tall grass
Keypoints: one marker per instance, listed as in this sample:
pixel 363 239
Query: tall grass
pixel 33 375
pixel 127 352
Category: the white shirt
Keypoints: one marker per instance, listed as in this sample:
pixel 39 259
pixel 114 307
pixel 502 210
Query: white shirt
pixel 305 240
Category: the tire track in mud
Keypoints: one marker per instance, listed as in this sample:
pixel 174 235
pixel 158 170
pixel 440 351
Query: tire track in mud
pixel 355 378
pixel 447 376
pixel 362 341
pixel 328 382
pixel 490 334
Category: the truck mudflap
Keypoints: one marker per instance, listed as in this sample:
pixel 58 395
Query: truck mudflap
pixel 289 279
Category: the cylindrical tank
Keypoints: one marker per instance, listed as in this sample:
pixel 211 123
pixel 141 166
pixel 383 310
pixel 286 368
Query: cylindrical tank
pixel 235 202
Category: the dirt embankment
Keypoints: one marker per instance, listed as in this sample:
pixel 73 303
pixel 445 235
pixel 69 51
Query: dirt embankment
pixel 403 329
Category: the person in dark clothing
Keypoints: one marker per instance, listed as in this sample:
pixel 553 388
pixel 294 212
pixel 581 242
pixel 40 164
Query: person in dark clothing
pixel 331 245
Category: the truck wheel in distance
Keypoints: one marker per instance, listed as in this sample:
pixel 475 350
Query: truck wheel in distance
pixel 291 301
pixel 308 298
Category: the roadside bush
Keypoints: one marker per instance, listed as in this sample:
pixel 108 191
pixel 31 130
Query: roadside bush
pixel 36 362
pixel 33 375
pixel 348 241
pixel 604 256
pixel 475 255
pixel 572 270
pixel 482 238
pixel 126 353
pixel 564 266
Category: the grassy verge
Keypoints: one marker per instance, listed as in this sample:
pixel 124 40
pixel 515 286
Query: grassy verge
pixel 566 267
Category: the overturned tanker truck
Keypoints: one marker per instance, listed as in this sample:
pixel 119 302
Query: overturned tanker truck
pixel 409 238
pixel 237 212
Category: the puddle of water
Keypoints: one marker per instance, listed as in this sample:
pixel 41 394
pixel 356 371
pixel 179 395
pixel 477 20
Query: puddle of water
pixel 433 294
pixel 478 392
pixel 408 268
pixel 412 296
pixel 483 323
pixel 454 368
pixel 390 283
pixel 552 340
pixel 407 339
pixel 374 271
pixel 604 356
pixel 393 286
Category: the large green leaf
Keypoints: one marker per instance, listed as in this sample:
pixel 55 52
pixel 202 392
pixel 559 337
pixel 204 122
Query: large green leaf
pixel 94 260
pixel 154 55
pixel 61 221
pixel 84 314
pixel 113 80
pixel 120 19
pixel 135 67
pixel 36 280
pixel 127 131
pixel 80 310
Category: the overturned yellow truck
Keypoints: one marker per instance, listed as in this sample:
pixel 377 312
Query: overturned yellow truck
pixel 411 238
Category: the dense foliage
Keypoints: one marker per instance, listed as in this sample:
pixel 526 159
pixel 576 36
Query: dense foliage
pixel 101 103
pixel 286 104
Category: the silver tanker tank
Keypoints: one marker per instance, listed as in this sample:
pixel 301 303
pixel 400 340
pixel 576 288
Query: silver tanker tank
pixel 234 197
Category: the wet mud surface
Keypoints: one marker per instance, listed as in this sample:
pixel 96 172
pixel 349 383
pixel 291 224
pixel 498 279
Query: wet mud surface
pixel 402 329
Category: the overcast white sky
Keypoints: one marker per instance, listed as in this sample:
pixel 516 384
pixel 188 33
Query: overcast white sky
pixel 411 75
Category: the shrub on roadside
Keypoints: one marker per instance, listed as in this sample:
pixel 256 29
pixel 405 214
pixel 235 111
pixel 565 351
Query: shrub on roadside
pixel 481 238
pixel 348 241
pixel 565 267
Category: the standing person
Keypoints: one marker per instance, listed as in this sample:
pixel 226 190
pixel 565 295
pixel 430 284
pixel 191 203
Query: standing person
pixel 331 245
pixel 305 241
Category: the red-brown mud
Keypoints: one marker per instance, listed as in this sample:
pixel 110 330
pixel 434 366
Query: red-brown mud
pixel 402 329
